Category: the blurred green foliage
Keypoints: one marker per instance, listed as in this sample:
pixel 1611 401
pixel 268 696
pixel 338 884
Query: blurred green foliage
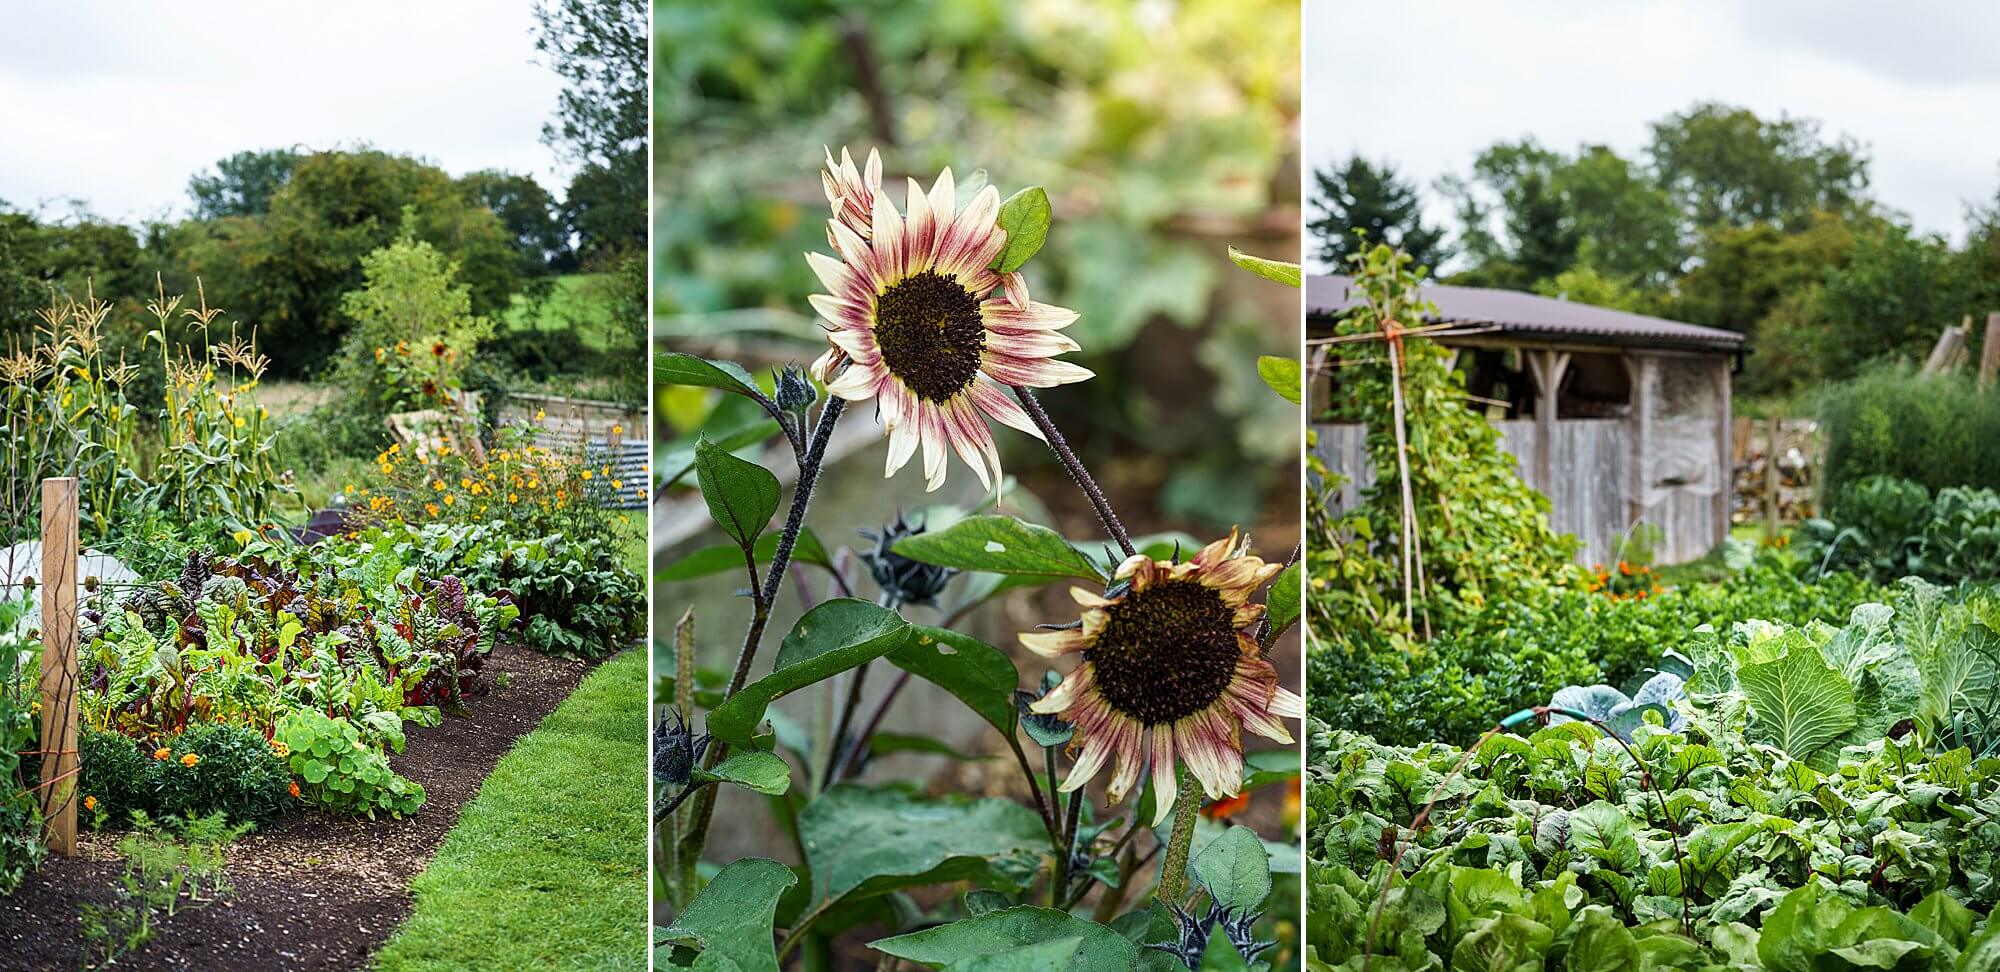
pixel 1162 133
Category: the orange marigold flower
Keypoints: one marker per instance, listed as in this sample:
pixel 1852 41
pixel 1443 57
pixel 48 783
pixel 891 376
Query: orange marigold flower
pixel 190 759
pixel 90 803
pixel 162 753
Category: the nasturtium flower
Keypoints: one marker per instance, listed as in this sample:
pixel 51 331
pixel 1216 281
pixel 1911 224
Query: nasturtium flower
pixel 294 789
pixel 926 328
pixel 1171 670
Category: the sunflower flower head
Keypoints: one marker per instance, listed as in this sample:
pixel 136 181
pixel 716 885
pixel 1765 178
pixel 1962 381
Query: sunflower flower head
pixel 920 322
pixel 1170 671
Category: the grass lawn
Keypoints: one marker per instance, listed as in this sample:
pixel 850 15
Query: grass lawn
pixel 571 306
pixel 547 866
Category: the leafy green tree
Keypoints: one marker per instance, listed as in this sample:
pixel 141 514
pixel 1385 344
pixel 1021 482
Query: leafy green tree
pixel 528 212
pixel 600 50
pixel 1726 165
pixel 1896 292
pixel 22 291
pixel 242 184
pixel 285 271
pixel 1362 204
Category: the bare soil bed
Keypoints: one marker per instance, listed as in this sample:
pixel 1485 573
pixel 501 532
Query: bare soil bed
pixel 315 891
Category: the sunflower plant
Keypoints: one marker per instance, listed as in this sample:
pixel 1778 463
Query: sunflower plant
pixel 931 326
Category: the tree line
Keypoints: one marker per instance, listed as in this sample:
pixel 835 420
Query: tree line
pixel 1757 225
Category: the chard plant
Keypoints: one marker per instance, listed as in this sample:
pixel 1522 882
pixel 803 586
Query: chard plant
pixel 929 320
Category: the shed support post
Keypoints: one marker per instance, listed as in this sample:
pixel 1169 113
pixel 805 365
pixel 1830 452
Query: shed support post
pixel 1547 368
pixel 1639 370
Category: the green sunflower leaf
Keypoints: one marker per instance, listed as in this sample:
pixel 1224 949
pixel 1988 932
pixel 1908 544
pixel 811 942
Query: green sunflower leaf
pixel 831 638
pixel 1025 218
pixel 999 544
pixel 1288 274
pixel 766 773
pixel 980 675
pixel 1283 375
pixel 675 368
pixel 741 495
pixel 1282 603
pixel 1236 870
pixel 729 924
pixel 1015 931
pixel 724 557
pixel 863 841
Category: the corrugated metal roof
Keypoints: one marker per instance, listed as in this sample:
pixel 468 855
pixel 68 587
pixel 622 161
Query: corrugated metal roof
pixel 1515 312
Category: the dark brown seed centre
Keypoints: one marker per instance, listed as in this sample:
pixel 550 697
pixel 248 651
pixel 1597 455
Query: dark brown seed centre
pixel 930 333
pixel 1166 653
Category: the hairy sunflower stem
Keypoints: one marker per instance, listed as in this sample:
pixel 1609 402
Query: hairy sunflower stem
pixel 1080 475
pixel 703 812
pixel 1173 873
pixel 1059 873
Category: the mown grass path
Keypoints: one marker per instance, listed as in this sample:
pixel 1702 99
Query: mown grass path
pixel 547 866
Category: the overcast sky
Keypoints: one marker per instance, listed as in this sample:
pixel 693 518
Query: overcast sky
pixel 1427 84
pixel 118 103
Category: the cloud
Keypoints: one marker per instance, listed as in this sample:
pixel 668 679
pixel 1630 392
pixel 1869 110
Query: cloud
pixel 1427 84
pixel 117 104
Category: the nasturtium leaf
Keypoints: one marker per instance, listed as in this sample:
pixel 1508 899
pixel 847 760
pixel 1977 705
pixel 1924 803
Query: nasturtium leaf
pixel 999 545
pixel 724 557
pixel 741 495
pixel 863 841
pixel 1025 218
pixel 831 638
pixel 766 773
pixel 997 933
pixel 980 675
pixel 675 368
pixel 728 926
pixel 1284 376
pixel 1289 274
pixel 1281 605
pixel 1236 870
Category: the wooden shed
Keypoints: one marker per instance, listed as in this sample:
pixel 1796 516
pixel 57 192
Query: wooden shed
pixel 1619 418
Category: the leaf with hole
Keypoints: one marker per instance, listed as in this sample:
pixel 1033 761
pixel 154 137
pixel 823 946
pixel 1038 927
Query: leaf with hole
pixel 999 545
pixel 831 638
pixel 728 926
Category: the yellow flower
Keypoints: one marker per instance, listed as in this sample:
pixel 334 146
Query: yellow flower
pixel 243 536
pixel 586 474
pixel 617 484
pixel 278 746
pixel 431 508
pixel 464 482
pixel 162 753
pixel 239 421
pixel 190 759
pixel 513 497
pixel 541 414
pixel 450 499
pixel 437 485
pixel 350 489
pixel 617 430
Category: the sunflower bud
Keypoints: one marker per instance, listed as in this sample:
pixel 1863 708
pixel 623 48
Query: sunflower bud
pixel 1241 929
pixel 1191 938
pixel 910 581
pixel 795 391
pixel 676 749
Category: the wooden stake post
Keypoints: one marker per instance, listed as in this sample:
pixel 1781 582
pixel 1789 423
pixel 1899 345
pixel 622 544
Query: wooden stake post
pixel 58 740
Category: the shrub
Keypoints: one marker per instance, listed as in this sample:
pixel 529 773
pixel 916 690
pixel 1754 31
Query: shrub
pixel 1935 431
pixel 211 768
